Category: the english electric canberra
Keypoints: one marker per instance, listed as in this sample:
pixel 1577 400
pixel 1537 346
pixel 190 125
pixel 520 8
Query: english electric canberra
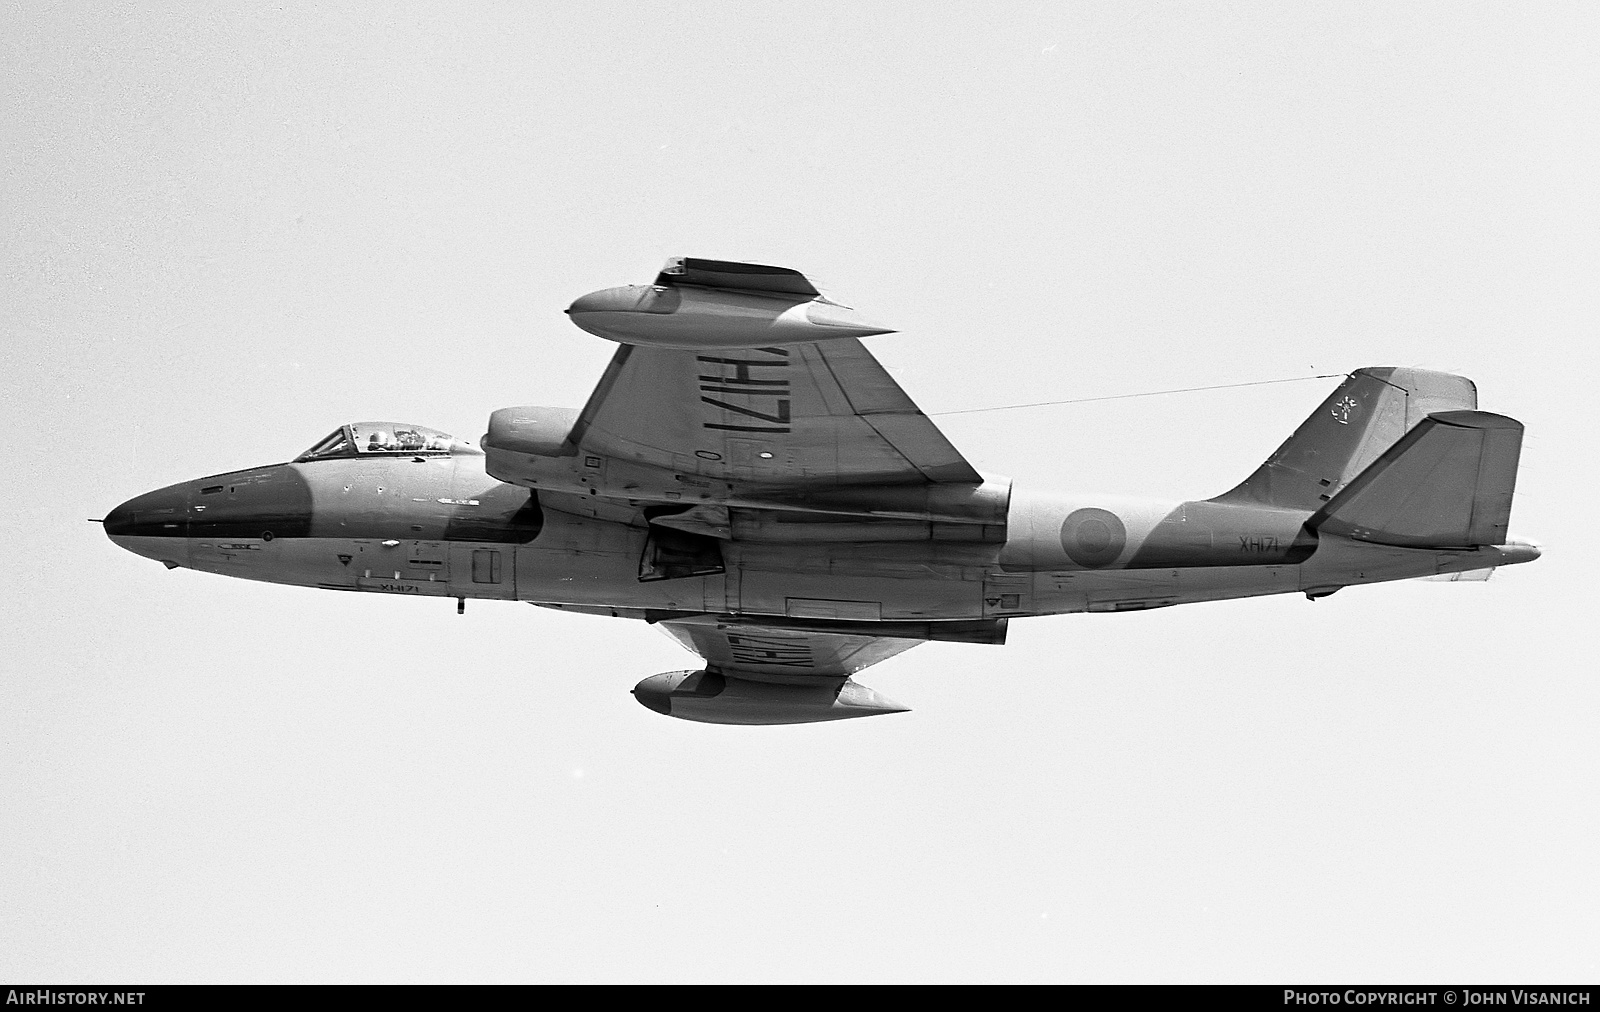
pixel 748 477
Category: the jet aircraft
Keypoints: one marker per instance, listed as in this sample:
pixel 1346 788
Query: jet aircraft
pixel 750 479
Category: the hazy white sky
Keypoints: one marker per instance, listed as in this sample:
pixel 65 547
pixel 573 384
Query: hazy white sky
pixel 228 229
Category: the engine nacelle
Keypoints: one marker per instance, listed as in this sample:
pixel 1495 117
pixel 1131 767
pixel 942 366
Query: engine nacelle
pixel 543 431
pixel 713 698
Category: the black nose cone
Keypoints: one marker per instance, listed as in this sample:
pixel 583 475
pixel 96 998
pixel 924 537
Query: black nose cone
pixel 655 697
pixel 159 514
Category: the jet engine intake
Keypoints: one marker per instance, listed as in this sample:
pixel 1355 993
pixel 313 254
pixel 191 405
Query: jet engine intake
pixel 714 698
pixel 546 432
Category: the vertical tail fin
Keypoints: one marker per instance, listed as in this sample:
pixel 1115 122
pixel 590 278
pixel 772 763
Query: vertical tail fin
pixel 1369 412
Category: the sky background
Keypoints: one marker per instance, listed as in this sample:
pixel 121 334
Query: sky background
pixel 228 229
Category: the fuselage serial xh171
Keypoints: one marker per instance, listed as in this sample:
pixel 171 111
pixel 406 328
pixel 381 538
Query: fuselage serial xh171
pixel 749 478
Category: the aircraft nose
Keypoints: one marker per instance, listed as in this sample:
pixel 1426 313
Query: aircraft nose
pixel 119 522
pixel 162 513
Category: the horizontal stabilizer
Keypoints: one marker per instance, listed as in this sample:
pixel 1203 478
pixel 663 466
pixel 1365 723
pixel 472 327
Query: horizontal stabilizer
pixel 1447 484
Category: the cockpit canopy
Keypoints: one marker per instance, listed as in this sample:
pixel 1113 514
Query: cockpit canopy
pixel 359 439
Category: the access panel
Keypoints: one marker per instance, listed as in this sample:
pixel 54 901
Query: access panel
pixel 484 572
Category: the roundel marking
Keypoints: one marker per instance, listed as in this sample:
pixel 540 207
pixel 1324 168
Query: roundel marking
pixel 1093 537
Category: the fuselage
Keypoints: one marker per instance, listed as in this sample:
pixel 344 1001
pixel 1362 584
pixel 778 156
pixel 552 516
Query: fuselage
pixel 436 524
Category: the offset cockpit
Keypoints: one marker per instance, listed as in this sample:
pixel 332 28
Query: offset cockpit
pixel 360 439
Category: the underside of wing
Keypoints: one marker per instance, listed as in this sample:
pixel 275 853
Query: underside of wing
pixel 783 653
pixel 787 671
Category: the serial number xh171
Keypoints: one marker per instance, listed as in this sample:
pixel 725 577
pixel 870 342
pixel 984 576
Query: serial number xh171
pixel 749 478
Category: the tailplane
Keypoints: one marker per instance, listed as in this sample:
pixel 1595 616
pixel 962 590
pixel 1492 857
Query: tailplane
pixel 1369 413
pixel 1447 484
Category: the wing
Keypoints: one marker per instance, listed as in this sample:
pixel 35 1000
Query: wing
pixel 757 674
pixel 800 401
pixel 792 654
pixel 780 671
pixel 804 413
pixel 737 386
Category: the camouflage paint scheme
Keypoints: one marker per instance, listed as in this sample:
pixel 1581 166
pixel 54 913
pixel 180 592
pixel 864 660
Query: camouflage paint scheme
pixel 787 513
